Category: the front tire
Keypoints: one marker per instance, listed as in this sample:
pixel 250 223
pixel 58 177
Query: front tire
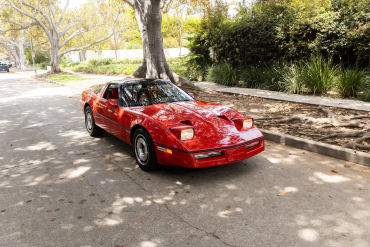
pixel 91 127
pixel 144 150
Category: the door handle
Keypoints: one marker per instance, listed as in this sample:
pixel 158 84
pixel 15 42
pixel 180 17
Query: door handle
pixel 109 110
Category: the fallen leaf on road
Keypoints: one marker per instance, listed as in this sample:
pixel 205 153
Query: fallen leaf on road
pixel 70 201
pixel 118 170
pixel 308 190
pixel 141 221
pixel 228 207
pixel 82 201
pixel 92 194
pixel 79 217
pixel 281 193
pixel 28 201
pixel 49 211
pixel 176 192
pixel 58 209
pixel 61 200
pixel 52 219
pixel 334 171
pixel 134 163
pixel 210 234
pixel 110 213
pixel 188 192
pixel 3 210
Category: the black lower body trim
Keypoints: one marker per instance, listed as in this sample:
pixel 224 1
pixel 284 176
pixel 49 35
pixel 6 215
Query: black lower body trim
pixel 112 121
pixel 210 150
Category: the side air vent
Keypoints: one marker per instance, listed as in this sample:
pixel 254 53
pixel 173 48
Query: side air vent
pixel 186 122
pixel 224 117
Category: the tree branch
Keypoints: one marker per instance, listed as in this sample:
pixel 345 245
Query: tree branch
pixel 66 30
pixel 62 14
pixel 21 27
pixel 30 16
pixel 9 40
pixel 84 47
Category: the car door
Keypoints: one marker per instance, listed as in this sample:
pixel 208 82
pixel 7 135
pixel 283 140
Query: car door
pixel 111 111
pixel 99 109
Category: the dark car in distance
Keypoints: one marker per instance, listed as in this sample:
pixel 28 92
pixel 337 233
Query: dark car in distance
pixel 4 67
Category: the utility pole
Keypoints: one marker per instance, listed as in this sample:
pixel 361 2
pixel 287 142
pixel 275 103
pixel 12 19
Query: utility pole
pixel 33 57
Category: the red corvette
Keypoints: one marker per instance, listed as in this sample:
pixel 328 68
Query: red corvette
pixel 166 125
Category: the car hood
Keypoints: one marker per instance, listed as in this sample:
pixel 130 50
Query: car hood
pixel 212 123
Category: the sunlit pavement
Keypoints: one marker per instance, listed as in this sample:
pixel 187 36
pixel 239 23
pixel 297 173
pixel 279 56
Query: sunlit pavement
pixel 61 187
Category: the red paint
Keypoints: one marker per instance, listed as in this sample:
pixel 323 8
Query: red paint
pixel 215 127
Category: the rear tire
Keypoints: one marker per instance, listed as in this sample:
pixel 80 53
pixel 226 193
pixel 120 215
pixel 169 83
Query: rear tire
pixel 144 150
pixel 91 127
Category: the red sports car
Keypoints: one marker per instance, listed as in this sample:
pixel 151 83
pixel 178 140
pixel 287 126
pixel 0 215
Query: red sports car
pixel 166 125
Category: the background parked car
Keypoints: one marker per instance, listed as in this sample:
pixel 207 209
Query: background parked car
pixel 4 67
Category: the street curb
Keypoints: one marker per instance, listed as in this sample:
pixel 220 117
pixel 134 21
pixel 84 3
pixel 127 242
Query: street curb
pixel 63 84
pixel 319 147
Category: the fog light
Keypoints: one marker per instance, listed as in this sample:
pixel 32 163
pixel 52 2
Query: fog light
pixel 251 145
pixel 207 155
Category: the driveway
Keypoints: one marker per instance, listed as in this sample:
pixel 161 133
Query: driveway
pixel 61 187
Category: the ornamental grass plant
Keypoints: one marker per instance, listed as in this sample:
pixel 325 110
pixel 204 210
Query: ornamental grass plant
pixel 350 81
pixel 223 74
pixel 291 79
pixel 318 74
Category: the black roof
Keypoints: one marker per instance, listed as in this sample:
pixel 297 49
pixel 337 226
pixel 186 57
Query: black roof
pixel 138 81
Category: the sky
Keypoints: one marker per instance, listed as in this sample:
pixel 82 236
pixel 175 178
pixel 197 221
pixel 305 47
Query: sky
pixel 76 3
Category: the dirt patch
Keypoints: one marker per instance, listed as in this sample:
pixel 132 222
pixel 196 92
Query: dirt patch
pixel 336 126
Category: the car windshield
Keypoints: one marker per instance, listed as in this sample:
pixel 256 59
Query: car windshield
pixel 150 93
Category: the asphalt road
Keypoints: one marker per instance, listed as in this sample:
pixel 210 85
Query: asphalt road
pixel 61 187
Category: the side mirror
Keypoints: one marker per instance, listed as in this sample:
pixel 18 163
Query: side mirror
pixel 112 102
pixel 192 95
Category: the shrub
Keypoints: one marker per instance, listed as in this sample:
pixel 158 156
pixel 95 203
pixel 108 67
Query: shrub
pixel 42 65
pixel 350 81
pixel 291 79
pixel 223 74
pixel 365 88
pixel 99 62
pixel 252 77
pixel 272 76
pixel 318 74
pixel 128 71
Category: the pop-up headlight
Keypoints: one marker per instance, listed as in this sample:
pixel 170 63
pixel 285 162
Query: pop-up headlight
pixel 183 132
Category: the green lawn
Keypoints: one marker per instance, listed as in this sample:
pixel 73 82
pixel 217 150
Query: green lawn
pixel 65 78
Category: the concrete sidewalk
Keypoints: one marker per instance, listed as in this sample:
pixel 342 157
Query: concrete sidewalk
pixel 324 101
pixel 316 100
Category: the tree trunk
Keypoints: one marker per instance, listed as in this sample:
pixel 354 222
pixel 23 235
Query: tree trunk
pixel 13 51
pixel 154 65
pixel 22 56
pixel 54 50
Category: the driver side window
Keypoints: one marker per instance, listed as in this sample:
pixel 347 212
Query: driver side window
pixel 111 92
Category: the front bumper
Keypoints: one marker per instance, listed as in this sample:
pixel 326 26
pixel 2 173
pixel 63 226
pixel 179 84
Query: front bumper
pixel 230 155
